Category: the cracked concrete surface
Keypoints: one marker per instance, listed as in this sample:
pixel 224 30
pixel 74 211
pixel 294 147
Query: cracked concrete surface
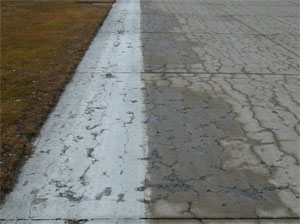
pixel 215 152
pixel 158 221
pixel 179 109
pixel 222 105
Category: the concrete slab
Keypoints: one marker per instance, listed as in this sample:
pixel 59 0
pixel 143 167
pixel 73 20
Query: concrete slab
pixel 160 221
pixel 181 111
pixel 217 53
pixel 214 146
pixel 286 26
pixel 201 8
pixel 259 10
pixel 252 2
pixel 289 42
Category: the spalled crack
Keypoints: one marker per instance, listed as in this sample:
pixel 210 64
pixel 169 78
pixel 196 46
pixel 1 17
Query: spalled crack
pixel 71 196
pixel 106 192
pixel 121 198
pixel 82 178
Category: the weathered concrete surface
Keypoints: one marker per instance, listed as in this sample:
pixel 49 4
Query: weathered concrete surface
pixel 222 107
pixel 216 152
pixel 180 109
pixel 159 221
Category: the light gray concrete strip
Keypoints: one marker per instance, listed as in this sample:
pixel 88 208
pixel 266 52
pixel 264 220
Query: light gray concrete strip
pixel 121 47
pixel 88 162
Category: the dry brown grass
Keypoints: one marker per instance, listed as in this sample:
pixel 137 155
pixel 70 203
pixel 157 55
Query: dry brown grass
pixel 41 44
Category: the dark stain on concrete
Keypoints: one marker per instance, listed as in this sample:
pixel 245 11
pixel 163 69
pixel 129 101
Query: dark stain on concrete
pixel 121 198
pixel 106 192
pixel 70 195
pixel 185 172
pixel 39 201
pixel 161 46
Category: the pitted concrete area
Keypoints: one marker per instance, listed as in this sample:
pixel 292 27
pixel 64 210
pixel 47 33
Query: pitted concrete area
pixel 181 111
